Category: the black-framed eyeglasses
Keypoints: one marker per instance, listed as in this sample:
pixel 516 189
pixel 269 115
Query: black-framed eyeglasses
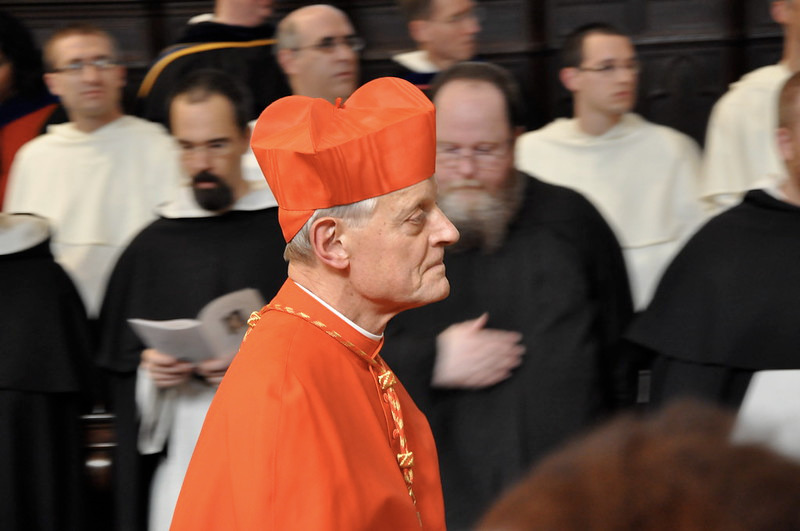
pixel 101 63
pixel 608 69
pixel 329 44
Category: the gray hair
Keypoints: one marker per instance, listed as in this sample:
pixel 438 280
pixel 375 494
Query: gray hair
pixel 354 214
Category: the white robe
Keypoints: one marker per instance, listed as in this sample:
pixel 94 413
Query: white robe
pixel 641 176
pixel 741 153
pixel 97 190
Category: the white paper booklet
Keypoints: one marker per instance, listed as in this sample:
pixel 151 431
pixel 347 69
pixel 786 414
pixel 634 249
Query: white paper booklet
pixel 770 412
pixel 217 330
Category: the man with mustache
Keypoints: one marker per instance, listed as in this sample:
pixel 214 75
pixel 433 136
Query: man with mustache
pixel 641 176
pixel 521 355
pixel 220 235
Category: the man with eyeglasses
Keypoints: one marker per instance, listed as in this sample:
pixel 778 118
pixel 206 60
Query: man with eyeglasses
pixel 237 38
pixel 318 51
pixel 521 355
pixel 98 177
pixel 445 32
pixel 219 235
pixel 643 177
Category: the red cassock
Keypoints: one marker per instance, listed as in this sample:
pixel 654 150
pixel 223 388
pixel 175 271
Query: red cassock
pixel 307 431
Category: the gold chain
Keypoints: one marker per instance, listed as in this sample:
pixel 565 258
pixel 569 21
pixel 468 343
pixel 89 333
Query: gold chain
pixel 386 379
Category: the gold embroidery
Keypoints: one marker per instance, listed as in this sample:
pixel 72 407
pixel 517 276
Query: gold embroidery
pixel 251 323
pixel 387 380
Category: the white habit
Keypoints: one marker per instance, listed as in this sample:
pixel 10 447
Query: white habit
pixel 97 190
pixel 740 151
pixel 641 176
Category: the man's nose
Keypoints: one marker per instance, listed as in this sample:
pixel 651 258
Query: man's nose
pixel 197 159
pixel 446 233
pixel 344 51
pixel 90 73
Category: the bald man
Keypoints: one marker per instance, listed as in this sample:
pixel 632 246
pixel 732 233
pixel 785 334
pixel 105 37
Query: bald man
pixel 318 50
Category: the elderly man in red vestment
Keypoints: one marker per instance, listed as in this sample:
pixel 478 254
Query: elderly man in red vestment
pixel 310 429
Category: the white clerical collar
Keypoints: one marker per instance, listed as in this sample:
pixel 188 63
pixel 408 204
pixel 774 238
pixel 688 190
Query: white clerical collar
pixel 416 61
pixel 363 332
pixel 21 231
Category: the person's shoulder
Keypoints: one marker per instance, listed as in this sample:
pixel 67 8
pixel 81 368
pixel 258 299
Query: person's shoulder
pixel 556 129
pixel 135 125
pixel 760 83
pixel 30 150
pixel 765 77
pixel 210 31
pixel 668 137
pixel 552 202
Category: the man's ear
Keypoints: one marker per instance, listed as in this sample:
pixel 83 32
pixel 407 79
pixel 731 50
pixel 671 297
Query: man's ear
pixel 785 145
pixel 569 78
pixel 51 80
pixel 779 11
pixel 418 30
pixel 326 242
pixel 286 60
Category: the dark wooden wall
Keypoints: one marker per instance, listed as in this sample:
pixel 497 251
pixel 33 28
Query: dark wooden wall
pixel 691 49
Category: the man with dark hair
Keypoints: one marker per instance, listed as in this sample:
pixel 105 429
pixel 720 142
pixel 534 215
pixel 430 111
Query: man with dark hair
pixel 237 39
pixel 219 236
pixel 98 177
pixel 522 354
pixel 740 151
pixel 641 176
pixel 445 32
pixel 721 310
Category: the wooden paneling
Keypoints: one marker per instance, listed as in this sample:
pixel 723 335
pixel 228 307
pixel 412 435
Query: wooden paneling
pixel 691 50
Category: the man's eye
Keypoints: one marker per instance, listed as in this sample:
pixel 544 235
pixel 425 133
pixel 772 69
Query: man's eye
pixel 326 44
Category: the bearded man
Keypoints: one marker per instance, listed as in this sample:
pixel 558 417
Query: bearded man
pixel 220 235
pixel 522 354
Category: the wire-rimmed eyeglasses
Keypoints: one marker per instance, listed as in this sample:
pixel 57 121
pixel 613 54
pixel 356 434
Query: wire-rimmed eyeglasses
pixel 485 155
pixel 329 44
pixel 76 67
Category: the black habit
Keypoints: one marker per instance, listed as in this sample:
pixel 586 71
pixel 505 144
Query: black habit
pixel 724 307
pixel 45 358
pixel 170 271
pixel 560 280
